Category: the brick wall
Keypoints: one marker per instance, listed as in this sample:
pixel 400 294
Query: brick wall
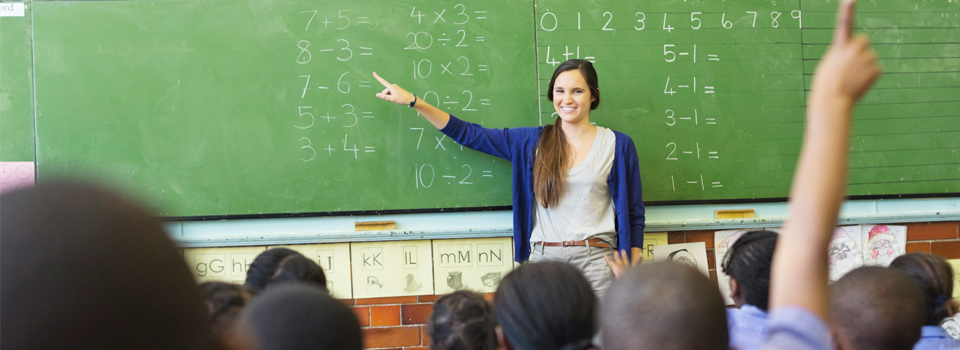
pixel 399 322
pixel 395 323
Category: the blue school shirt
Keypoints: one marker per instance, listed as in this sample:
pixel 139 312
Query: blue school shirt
pixel 936 338
pixel 518 145
pixel 748 327
pixel 795 328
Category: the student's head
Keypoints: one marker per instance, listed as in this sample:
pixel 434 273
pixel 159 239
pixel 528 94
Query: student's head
pixel 574 91
pixel 299 316
pixel 876 308
pixel 297 268
pixel 747 262
pixel 936 280
pixel 462 320
pixel 663 306
pixel 264 266
pixel 85 268
pixel 224 303
pixel 545 306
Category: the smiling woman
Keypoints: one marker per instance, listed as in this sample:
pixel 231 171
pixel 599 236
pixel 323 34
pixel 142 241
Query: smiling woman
pixel 576 189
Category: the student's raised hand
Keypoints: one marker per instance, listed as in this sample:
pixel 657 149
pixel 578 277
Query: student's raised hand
pixel 849 67
pixel 393 92
pixel 620 263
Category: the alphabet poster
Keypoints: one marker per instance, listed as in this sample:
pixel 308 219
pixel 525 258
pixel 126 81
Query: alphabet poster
pixel 722 241
pixel 650 240
pixel 221 264
pixel 473 264
pixel 693 254
pixel 390 269
pixel 335 261
pixel 882 243
pixel 955 264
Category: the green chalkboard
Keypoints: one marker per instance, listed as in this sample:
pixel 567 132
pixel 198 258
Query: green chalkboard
pixel 713 92
pixel 16 88
pixel 213 108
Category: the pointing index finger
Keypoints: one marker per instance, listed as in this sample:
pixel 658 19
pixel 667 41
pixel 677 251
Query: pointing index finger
pixel 381 80
pixel 844 25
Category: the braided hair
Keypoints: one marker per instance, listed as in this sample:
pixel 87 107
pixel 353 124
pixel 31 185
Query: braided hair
pixel 748 262
pixel 462 320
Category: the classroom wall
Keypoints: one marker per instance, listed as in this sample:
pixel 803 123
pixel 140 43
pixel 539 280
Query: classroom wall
pixel 400 322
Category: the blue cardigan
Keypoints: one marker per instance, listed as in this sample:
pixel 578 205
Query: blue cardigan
pixel 519 145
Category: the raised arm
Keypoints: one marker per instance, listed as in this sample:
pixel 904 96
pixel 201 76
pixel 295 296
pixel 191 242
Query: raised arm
pixel 396 94
pixel 845 73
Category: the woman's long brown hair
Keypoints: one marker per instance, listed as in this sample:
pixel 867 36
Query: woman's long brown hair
pixel 549 169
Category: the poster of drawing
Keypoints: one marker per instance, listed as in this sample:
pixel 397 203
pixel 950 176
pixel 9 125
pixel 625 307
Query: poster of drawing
pixel 473 264
pixel 844 251
pixel 882 243
pixel 650 240
pixel 391 269
pixel 693 254
pixel 334 259
pixel 722 241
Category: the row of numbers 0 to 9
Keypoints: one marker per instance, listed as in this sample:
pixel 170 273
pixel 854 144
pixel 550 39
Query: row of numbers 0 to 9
pixel 550 22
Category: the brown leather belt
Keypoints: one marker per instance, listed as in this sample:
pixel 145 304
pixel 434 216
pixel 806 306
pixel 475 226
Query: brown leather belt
pixel 593 242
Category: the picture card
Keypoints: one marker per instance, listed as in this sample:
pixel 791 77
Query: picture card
pixel 882 243
pixel 693 254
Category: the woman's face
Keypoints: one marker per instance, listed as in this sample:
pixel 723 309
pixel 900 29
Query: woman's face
pixel 572 97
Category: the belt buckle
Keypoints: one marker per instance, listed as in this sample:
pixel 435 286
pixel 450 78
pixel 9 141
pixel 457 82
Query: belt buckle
pixel 567 243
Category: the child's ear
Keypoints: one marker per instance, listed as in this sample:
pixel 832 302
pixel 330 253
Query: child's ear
pixel 734 290
pixel 501 339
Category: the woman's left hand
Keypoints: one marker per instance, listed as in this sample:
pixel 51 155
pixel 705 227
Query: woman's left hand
pixel 620 263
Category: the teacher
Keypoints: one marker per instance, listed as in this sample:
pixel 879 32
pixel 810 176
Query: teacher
pixel 577 196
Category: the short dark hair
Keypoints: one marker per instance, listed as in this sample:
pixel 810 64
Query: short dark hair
pixel 300 316
pixel 546 306
pixel 589 75
pixel 297 268
pixel 935 277
pixel 748 262
pixel 84 267
pixel 462 320
pixel 659 306
pixel 876 308
pixel 264 266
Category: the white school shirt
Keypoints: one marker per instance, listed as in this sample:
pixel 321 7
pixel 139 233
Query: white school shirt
pixel 585 209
